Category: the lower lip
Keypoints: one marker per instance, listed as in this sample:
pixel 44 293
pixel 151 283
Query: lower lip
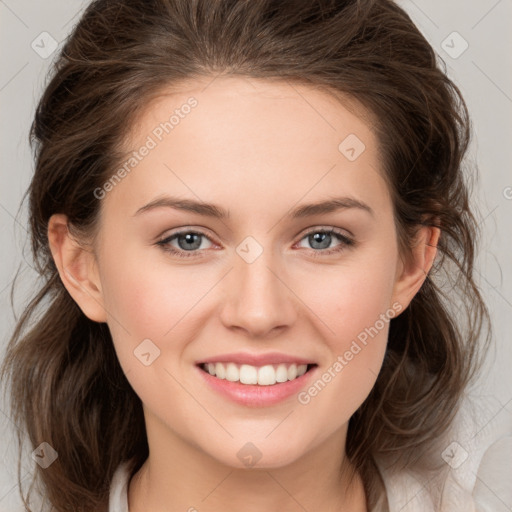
pixel 254 395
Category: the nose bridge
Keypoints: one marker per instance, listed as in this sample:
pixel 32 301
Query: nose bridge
pixel 257 300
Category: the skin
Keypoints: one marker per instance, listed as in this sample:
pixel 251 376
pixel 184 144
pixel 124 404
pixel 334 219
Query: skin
pixel 257 149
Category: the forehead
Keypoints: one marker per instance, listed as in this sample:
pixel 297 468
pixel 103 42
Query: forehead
pixel 235 135
pixel 254 105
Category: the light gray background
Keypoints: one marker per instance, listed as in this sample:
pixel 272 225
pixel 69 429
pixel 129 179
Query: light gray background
pixel 483 73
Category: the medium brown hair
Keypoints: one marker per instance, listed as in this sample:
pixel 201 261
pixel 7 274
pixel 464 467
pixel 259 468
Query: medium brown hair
pixel 67 387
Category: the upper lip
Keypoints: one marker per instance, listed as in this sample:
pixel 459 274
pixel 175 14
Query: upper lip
pixel 256 359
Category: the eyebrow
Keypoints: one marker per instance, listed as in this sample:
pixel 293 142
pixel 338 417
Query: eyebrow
pixel 212 210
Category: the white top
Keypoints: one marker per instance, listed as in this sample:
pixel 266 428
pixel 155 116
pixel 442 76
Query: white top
pixel 479 478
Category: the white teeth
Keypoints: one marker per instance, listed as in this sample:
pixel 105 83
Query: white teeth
pixel 248 374
pixel 267 375
pixel 282 373
pixel 220 371
pixel 232 373
pixel 301 369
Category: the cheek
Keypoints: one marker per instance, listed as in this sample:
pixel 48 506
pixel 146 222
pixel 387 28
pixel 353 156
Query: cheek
pixel 350 298
pixel 148 302
pixel 353 305
pixel 149 298
pixel 141 304
pixel 152 301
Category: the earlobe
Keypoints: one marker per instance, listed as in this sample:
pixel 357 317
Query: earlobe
pixel 77 268
pixel 412 274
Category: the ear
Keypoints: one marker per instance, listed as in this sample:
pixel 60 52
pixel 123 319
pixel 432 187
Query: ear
pixel 77 268
pixel 411 274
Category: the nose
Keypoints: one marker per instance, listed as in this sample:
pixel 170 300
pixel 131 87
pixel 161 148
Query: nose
pixel 259 301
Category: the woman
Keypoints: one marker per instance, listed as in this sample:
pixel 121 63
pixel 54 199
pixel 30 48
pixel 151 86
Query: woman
pixel 250 219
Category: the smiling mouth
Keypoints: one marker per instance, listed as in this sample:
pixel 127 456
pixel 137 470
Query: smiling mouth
pixel 267 375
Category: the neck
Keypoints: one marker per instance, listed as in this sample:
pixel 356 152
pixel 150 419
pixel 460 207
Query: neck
pixel 180 477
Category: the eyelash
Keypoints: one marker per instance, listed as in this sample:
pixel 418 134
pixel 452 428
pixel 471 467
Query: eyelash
pixel 346 242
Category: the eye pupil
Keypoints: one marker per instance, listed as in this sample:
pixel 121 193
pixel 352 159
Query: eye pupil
pixel 191 243
pixel 320 238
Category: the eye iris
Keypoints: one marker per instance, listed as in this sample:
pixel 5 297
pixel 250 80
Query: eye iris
pixel 192 244
pixel 323 238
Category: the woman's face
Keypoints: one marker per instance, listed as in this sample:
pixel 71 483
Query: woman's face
pixel 256 280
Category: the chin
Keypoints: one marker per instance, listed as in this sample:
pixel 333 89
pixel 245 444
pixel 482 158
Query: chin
pixel 259 455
